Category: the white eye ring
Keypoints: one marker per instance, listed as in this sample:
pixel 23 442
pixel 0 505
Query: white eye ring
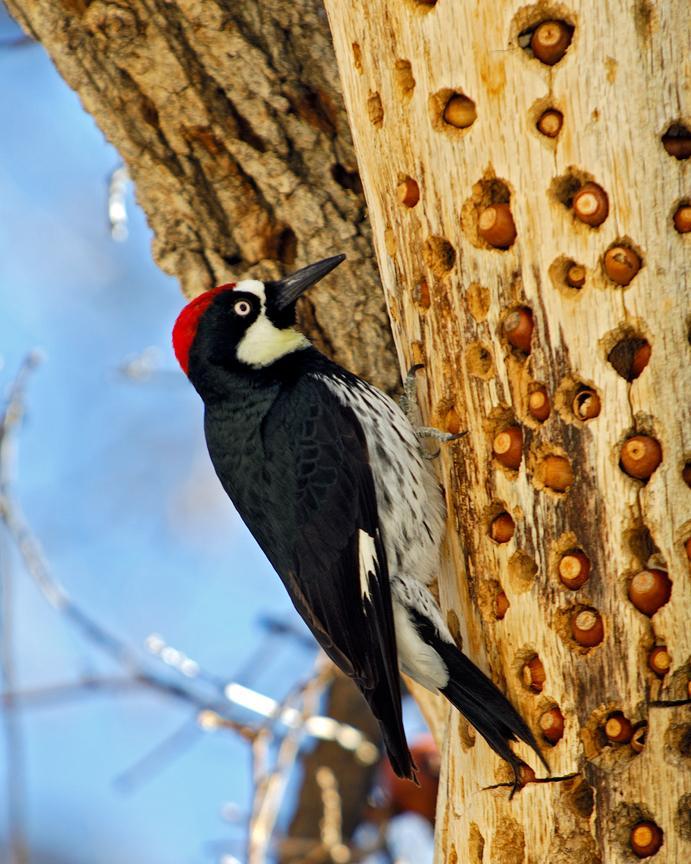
pixel 242 307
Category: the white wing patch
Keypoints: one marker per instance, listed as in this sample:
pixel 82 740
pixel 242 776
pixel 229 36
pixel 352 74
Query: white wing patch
pixel 367 556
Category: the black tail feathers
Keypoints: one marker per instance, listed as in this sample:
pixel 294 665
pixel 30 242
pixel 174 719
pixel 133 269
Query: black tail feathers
pixel 484 705
pixel 391 725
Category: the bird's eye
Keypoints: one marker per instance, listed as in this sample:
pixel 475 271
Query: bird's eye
pixel 242 307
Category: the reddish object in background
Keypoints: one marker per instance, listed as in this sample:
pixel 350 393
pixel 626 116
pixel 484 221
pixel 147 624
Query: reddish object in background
pixel 406 797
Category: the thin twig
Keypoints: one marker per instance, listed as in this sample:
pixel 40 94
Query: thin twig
pixel 15 773
pixel 270 783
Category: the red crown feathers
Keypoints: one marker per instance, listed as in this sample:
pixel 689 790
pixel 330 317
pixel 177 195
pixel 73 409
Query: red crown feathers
pixel 185 328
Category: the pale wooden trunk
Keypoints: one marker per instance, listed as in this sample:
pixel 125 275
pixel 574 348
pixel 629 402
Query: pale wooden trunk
pixel 619 87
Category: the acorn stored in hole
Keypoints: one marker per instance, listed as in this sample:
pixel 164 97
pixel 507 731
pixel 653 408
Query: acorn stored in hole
pixel 621 264
pixel 640 731
pixel 586 404
pixel 682 218
pixel 557 473
pixel 408 192
pixel 501 605
pixel 533 674
pixel 508 447
pixel 552 724
pixel 538 404
pixel 496 226
pixel 687 546
pixel 587 628
pixel 574 569
pixel 677 141
pixel 502 528
pixel 591 204
pixel 518 328
pixel 575 276
pixel 525 774
pixel 640 359
pixel 460 111
pixel 686 474
pixel 640 456
pixel 550 41
pixel 618 728
pixel 550 122
pixel 660 661
pixel 452 422
pixel 646 839
pixel 649 590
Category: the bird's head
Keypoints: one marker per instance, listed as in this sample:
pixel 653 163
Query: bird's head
pixel 244 325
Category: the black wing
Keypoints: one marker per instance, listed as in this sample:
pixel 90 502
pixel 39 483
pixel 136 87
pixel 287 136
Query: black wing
pixel 314 513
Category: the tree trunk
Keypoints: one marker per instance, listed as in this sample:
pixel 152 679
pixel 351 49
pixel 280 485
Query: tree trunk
pixel 495 320
pixel 230 120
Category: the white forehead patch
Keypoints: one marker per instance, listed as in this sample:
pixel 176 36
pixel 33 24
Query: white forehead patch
pixel 252 286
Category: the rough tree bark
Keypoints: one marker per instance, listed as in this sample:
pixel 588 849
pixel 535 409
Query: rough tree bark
pixel 430 172
pixel 231 123
pixel 229 119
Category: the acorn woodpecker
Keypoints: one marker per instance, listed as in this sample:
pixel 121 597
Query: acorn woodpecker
pixel 328 474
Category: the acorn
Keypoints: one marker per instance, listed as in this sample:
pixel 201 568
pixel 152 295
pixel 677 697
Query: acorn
pixel 538 404
pixel 508 447
pixel 502 528
pixel 460 111
pixel 649 590
pixel 534 674
pixel 550 41
pixel 677 141
pixel 525 774
pixel 557 473
pixel 575 276
pixel 591 204
pixel 621 264
pixel 408 192
pixel 640 456
pixel 586 404
pixel 550 122
pixel 682 218
pixel 660 661
pixel 501 605
pixel 587 628
pixel 686 474
pixel 518 328
pixel 640 731
pixel 552 724
pixel 646 839
pixel 452 422
pixel 640 359
pixel 574 569
pixel 618 728
pixel 687 546
pixel 496 226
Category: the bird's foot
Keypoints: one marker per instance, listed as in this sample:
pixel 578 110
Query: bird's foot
pixel 409 405
pixel 438 434
pixel 408 400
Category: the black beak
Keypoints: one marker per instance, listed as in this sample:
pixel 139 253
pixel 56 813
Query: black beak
pixel 288 290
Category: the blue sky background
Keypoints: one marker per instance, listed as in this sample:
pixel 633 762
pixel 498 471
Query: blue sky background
pixel 114 479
